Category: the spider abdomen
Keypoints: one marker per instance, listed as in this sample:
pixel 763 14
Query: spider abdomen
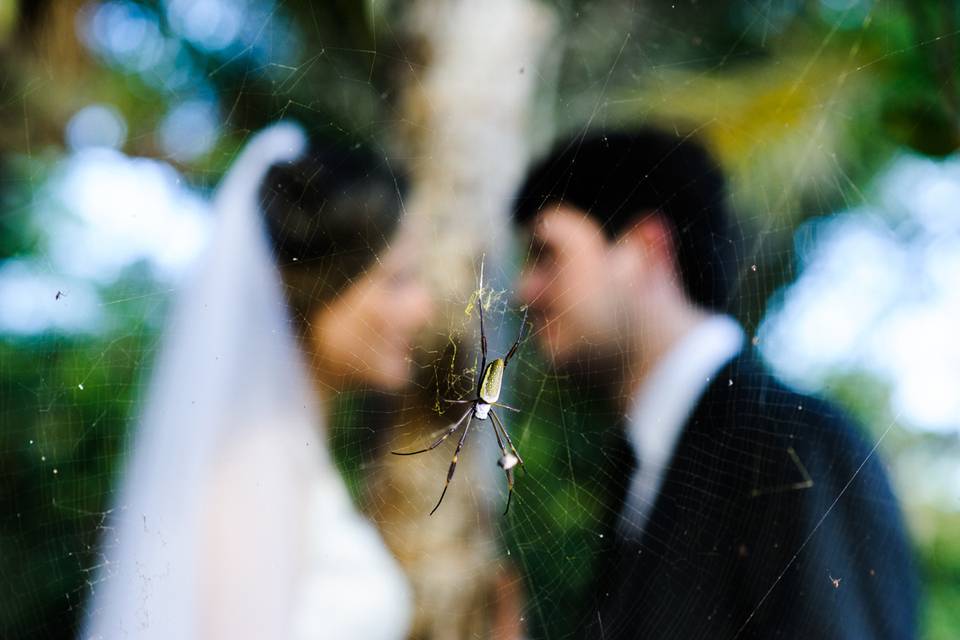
pixel 492 379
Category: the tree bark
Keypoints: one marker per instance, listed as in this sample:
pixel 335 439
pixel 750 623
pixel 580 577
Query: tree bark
pixel 465 108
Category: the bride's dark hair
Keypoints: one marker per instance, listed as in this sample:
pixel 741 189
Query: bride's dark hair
pixel 328 214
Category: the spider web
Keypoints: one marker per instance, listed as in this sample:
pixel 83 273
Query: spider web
pixel 846 212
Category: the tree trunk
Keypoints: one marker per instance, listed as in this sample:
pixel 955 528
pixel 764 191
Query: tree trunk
pixel 465 109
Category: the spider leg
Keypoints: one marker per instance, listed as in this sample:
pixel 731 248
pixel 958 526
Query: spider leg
pixel 439 440
pixel 508 472
pixel 506 434
pixel 483 335
pixel 457 401
pixel 513 349
pixel 506 406
pixel 453 467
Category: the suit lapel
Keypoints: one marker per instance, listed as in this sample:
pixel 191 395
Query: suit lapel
pixel 669 570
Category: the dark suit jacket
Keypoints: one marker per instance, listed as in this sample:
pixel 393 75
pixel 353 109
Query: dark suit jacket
pixel 775 520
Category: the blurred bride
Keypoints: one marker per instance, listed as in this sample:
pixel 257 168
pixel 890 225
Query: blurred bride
pixel 231 520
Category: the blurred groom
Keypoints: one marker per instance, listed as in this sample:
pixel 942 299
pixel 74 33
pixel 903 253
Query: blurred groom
pixel 752 511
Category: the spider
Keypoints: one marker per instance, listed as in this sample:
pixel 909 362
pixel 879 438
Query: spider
pixel 481 408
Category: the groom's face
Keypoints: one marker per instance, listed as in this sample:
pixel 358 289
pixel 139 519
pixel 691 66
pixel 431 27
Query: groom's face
pixel 570 285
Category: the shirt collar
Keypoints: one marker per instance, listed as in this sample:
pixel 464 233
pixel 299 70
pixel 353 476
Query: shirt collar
pixel 671 390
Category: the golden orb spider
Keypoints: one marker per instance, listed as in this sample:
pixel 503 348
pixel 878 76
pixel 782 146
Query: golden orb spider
pixel 481 407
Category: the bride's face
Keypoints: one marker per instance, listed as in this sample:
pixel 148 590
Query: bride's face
pixel 365 335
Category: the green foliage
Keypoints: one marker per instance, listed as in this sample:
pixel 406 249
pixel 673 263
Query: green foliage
pixel 60 446
pixel 555 530
pixel 940 562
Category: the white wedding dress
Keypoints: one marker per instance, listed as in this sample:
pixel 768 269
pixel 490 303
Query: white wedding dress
pixel 231 520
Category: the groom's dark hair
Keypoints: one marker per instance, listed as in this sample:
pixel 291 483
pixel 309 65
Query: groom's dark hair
pixel 328 214
pixel 618 177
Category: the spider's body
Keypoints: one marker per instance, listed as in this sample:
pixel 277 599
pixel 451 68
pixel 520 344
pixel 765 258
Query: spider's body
pixel 481 410
pixel 488 396
pixel 490 383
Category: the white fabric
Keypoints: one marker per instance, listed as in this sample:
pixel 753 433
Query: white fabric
pixel 231 520
pixel 662 406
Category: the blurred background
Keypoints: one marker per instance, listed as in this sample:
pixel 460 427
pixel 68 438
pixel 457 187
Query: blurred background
pixel 837 120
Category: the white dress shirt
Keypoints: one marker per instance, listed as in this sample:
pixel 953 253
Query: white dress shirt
pixel 662 406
